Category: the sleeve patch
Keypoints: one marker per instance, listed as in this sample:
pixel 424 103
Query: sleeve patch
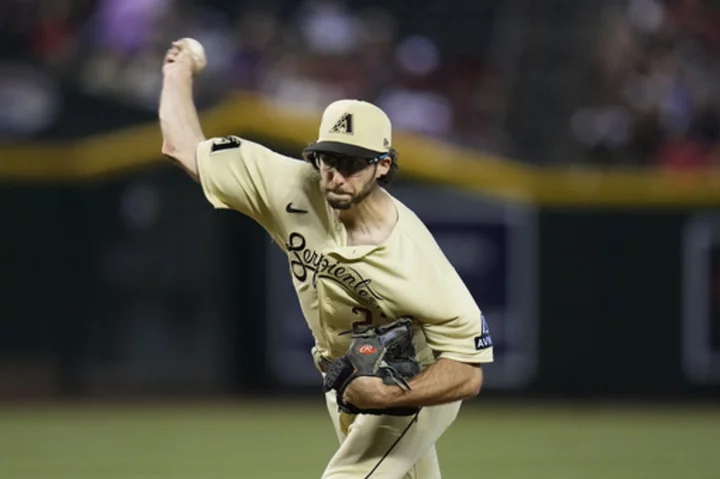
pixel 483 341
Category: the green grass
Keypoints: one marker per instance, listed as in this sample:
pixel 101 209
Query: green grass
pixel 295 441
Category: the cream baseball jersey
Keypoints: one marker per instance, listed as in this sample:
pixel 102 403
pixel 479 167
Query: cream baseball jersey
pixel 341 286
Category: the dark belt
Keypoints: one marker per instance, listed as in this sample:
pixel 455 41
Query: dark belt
pixel 324 364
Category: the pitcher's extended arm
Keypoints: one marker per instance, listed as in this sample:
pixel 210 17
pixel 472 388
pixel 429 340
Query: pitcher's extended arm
pixel 179 120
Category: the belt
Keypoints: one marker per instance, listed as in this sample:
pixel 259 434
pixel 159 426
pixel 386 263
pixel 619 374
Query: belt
pixel 324 364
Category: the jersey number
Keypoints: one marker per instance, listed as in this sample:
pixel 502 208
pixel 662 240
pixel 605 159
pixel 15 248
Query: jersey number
pixel 367 316
pixel 365 313
pixel 225 143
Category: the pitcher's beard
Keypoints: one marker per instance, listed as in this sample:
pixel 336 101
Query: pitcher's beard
pixel 346 204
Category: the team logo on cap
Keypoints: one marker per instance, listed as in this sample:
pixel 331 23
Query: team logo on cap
pixel 343 125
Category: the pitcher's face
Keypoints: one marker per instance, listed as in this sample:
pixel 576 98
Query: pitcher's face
pixel 347 181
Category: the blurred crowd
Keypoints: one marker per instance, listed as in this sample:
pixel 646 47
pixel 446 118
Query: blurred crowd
pixel 317 53
pixel 656 99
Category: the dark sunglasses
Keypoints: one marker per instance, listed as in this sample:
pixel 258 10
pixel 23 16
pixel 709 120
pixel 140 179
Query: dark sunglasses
pixel 345 165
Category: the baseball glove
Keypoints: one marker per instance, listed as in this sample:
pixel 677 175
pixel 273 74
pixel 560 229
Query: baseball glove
pixel 383 351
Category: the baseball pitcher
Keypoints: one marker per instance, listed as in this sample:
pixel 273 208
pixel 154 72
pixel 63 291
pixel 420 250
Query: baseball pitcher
pixel 399 340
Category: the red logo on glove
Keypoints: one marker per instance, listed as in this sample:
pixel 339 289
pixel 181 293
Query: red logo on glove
pixel 367 349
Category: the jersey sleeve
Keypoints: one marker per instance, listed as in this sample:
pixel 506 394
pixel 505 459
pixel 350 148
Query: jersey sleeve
pixel 455 327
pixel 242 175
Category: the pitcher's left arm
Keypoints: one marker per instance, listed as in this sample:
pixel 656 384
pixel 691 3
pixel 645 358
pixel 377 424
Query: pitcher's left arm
pixel 456 330
pixel 443 382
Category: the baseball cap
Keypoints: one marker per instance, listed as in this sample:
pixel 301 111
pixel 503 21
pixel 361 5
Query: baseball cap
pixel 353 128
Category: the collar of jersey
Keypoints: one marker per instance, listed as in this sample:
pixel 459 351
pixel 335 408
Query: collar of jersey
pixel 357 252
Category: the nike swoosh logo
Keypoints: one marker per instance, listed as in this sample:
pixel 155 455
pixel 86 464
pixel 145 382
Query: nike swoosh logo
pixel 289 208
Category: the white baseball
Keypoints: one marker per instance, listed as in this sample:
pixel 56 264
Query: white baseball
pixel 198 53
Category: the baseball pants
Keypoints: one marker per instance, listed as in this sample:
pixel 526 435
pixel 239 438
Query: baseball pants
pixel 366 439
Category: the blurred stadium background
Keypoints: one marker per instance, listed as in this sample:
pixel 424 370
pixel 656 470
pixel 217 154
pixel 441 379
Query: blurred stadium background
pixel 565 154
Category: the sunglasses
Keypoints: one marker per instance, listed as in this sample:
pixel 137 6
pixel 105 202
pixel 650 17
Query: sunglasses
pixel 345 165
